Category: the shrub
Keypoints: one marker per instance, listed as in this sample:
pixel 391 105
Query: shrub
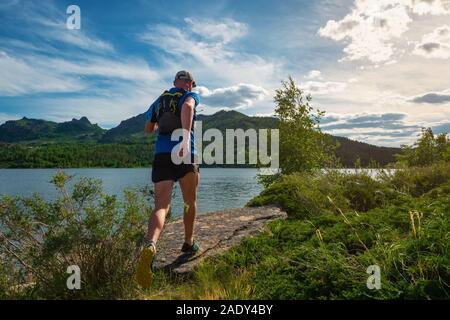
pixel 87 228
pixel 419 180
pixel 301 195
pixel 427 150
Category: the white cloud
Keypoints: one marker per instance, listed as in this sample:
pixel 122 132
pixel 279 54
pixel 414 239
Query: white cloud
pixel 386 129
pixel 373 28
pixel 19 78
pixel 434 7
pixel 435 44
pixel 313 74
pixel 30 74
pixel 210 49
pixel 225 31
pixel 214 59
pixel 133 70
pixel 79 39
pixel 239 96
pixel 48 22
pixel 176 42
pixel 323 88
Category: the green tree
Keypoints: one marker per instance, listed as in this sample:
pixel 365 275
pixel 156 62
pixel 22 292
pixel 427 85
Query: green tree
pixel 303 146
pixel 428 149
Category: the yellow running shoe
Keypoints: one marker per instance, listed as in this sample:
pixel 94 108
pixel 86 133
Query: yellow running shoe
pixel 144 274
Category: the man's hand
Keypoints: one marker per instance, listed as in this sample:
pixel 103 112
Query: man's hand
pixel 150 127
pixel 185 148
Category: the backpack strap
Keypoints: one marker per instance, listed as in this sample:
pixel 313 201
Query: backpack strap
pixel 173 99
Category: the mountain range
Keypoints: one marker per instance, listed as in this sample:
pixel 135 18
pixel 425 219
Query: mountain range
pixel 36 131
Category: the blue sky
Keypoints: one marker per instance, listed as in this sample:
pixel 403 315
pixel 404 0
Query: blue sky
pixel 379 68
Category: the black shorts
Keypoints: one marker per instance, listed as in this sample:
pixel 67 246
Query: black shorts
pixel 164 169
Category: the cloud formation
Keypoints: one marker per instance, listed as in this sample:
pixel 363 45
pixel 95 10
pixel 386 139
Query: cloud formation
pixel 372 28
pixel 384 121
pixel 323 88
pixel 313 74
pixel 235 97
pixel 432 97
pixel 215 36
pixel 213 55
pixel 21 78
pixel 435 44
pixel 224 31
pixel 388 129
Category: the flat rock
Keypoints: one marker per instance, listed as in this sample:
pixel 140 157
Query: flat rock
pixel 215 232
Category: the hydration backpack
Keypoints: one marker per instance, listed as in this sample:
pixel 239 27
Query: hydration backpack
pixel 169 115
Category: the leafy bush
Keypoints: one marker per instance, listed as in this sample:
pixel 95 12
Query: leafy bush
pixel 427 150
pixel 87 228
pixel 301 195
pixel 419 180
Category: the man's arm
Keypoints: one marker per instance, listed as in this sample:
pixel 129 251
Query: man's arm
pixel 187 113
pixel 151 125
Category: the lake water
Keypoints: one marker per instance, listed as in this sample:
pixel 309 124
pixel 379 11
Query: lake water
pixel 220 188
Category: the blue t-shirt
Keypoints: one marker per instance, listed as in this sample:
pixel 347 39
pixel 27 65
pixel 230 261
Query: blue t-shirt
pixel 164 144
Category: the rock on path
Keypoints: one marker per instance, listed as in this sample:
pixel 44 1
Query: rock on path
pixel 215 232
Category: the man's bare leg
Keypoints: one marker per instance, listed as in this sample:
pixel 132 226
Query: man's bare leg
pixel 163 195
pixel 189 184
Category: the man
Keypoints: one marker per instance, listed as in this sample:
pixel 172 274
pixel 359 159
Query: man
pixel 174 109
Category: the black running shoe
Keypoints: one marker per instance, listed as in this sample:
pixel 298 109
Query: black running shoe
pixel 194 248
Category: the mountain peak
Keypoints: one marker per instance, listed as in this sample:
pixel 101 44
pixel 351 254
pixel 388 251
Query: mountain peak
pixel 82 120
pixel 85 120
pixel 223 111
pixel 229 113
